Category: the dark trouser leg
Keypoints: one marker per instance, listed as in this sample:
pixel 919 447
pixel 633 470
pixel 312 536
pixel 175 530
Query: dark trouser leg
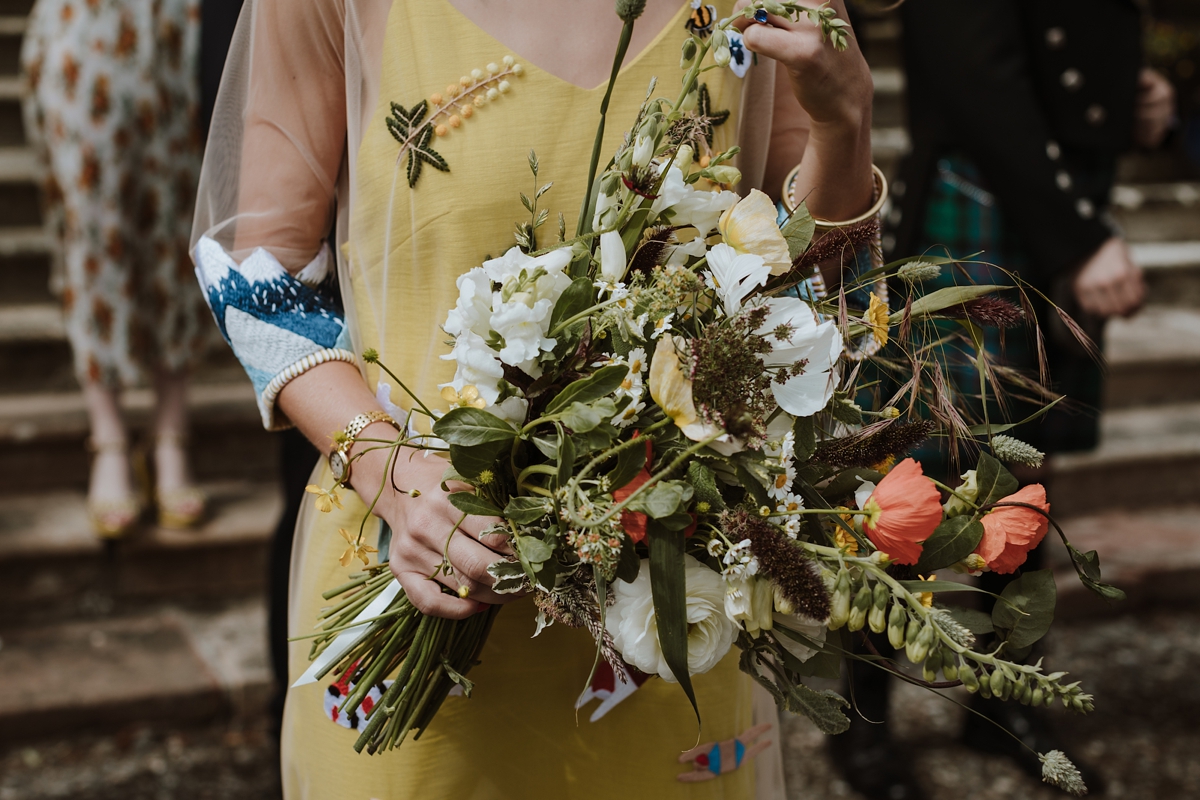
pixel 296 458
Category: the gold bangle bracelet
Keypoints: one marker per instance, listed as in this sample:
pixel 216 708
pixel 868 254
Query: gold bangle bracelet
pixel 881 195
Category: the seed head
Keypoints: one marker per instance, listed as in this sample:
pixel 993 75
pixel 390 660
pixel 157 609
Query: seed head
pixel 1057 770
pixel 1015 451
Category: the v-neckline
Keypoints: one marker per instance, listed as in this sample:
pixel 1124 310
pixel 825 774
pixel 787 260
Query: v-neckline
pixel 626 66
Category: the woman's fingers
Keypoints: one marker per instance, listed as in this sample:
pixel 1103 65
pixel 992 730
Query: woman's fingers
pixel 474 527
pixel 429 598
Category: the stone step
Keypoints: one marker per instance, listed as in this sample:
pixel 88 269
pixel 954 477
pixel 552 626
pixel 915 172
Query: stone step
pixel 1158 212
pixel 1147 458
pixel 43 436
pixel 1152 554
pixel 1154 357
pixel 162 664
pixel 1172 272
pixel 24 266
pixel 52 566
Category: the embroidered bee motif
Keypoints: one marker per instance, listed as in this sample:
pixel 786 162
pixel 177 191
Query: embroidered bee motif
pixel 702 20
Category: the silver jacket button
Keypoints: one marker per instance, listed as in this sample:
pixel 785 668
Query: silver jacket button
pixel 1053 151
pixel 1084 208
pixel 1063 179
pixel 1096 114
pixel 1071 79
pixel 1055 38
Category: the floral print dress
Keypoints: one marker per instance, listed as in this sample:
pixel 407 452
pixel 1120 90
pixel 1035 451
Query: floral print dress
pixel 110 105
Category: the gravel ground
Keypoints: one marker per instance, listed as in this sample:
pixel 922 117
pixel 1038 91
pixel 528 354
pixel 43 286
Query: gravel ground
pixel 1142 736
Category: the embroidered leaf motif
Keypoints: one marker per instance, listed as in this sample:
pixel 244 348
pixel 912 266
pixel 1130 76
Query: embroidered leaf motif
pixel 413 133
pixel 710 120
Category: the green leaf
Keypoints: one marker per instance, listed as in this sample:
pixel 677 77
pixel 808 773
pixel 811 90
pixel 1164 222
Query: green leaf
pixel 471 426
pixel 678 521
pixel 575 299
pixel 845 410
pixel 470 503
pixel 508 576
pixel 1034 593
pixel 630 564
pixel 951 542
pixel 526 510
pixel 470 461
pixel 944 298
pixel 666 498
pixel 940 586
pixel 547 447
pixel 994 481
pixel 805 430
pixel 668 589
pixel 1088 563
pixel 533 550
pixel 629 463
pixel 975 621
pixel 704 481
pixel 823 707
pixel 798 231
pixel 579 417
pixel 566 457
pixel 603 381
pixel 823 664
pixel 1105 590
pixel 986 430
pixel 847 481
pixel 752 486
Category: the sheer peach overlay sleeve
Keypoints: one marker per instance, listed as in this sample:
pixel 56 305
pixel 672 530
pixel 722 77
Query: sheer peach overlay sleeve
pixel 267 193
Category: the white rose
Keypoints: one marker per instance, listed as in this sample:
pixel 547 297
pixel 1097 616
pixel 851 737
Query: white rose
pixel 800 624
pixel 631 622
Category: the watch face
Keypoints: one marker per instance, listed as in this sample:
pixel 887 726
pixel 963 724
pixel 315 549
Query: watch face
pixel 337 463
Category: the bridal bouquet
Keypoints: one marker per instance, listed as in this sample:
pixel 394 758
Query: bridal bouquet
pixel 693 448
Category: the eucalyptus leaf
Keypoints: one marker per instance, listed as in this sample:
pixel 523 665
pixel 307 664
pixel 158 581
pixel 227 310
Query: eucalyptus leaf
pixel 798 231
pixel 1034 594
pixel 579 417
pixel 1088 563
pixel 669 592
pixel 603 381
pixel 1105 590
pixel 471 503
pixel 950 542
pixel 526 510
pixel 471 426
pixel 994 481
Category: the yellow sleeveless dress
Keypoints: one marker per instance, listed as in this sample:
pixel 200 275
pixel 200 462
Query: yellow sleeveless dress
pixel 519 736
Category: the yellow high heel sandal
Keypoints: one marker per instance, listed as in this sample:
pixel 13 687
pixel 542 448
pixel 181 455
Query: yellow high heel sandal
pixel 113 519
pixel 179 509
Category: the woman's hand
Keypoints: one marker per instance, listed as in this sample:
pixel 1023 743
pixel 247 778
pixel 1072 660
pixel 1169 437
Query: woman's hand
pixel 1109 284
pixel 1155 112
pixel 420 527
pixel 834 88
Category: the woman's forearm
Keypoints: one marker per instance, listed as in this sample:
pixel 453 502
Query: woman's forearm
pixel 835 178
pixel 322 401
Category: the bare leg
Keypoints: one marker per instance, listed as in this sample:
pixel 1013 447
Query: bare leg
pixel 110 489
pixel 176 491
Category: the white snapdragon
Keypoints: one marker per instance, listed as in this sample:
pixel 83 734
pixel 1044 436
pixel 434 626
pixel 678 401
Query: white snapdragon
pixel 750 602
pixel 680 203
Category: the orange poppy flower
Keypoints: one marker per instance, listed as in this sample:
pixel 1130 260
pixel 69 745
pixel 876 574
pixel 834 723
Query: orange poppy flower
pixel 903 511
pixel 1010 532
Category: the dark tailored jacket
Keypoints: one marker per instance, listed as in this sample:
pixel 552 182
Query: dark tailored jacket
pixel 1040 95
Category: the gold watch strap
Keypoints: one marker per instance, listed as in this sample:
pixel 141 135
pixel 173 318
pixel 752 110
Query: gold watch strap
pixel 357 425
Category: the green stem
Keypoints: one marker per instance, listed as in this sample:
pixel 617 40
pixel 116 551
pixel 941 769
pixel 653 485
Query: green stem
pixel 585 222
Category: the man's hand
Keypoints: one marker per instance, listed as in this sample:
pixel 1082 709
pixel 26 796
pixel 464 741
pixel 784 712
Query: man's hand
pixel 1109 284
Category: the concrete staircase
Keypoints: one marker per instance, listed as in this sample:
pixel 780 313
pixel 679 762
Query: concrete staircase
pixel 164 626
pixel 171 625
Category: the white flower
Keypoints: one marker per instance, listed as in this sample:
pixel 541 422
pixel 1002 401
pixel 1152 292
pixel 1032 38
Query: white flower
pixel 662 326
pixel 750 602
pixel 781 485
pixel 789 504
pixel 612 257
pixel 474 304
pixel 512 409
pixel 816 346
pixel 523 328
pixel 643 152
pixel 633 384
pixel 685 205
pixel 734 276
pixel 799 623
pixel 513 262
pixel 631 621
pixel 478 366
pixel 739 561
pixel 604 204
pixel 630 414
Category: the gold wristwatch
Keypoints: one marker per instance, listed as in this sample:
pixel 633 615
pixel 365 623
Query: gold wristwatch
pixel 339 459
